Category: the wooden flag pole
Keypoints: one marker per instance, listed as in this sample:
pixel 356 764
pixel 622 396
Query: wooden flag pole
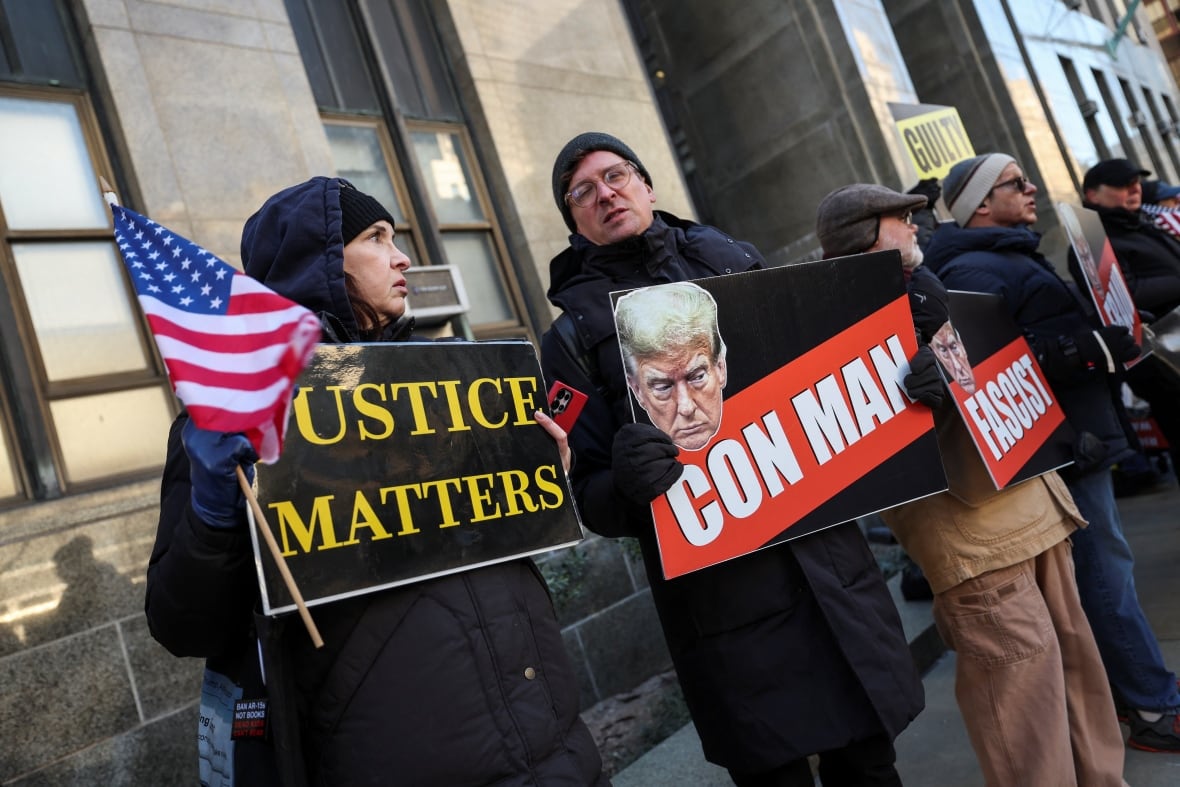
pixel 261 525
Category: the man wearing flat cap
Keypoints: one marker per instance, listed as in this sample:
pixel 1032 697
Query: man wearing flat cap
pixel 1031 720
pixel 789 651
pixel 1149 257
pixel 992 248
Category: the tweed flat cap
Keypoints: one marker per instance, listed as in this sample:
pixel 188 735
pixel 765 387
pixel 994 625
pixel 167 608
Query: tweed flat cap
pixel 848 219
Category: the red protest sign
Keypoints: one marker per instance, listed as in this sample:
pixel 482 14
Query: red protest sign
pixel 1001 392
pixel 1104 278
pixel 815 428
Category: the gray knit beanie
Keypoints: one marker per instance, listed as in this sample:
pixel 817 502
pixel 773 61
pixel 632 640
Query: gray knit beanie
pixel 966 186
pixel 574 151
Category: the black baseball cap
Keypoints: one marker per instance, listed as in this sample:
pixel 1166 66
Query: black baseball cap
pixel 1112 172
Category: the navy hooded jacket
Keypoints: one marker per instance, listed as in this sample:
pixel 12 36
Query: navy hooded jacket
pixel 1005 261
pixel 459 680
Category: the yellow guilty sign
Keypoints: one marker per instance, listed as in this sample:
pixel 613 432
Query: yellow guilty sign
pixel 935 141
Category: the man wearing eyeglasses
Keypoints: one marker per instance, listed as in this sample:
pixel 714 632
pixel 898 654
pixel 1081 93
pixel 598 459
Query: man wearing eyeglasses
pixel 991 248
pixel 789 651
pixel 1149 258
pixel 1030 684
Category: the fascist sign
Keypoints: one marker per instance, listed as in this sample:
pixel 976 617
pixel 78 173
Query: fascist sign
pixel 1000 390
pixel 934 137
pixel 781 388
pixel 1103 277
pixel 407 461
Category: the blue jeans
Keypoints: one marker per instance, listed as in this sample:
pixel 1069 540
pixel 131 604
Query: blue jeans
pixel 1106 584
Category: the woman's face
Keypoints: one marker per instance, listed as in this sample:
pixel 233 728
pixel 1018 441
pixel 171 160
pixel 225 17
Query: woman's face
pixel 377 268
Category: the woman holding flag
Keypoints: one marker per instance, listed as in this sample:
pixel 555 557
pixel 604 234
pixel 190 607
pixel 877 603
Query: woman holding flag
pixel 457 680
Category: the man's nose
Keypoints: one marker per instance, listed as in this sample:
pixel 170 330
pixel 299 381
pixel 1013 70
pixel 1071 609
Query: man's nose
pixel 603 191
pixel 684 401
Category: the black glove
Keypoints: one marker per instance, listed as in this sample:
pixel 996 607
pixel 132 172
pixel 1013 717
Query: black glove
pixel 213 461
pixel 929 189
pixel 929 303
pixel 924 382
pixel 644 463
pixel 1105 347
pixel 1146 317
pixel 1088 452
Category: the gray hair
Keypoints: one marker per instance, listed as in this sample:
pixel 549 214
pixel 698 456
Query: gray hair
pixel 653 320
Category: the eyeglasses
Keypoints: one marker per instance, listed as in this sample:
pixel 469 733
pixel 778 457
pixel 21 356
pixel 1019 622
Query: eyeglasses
pixel 907 217
pixel 614 178
pixel 1020 184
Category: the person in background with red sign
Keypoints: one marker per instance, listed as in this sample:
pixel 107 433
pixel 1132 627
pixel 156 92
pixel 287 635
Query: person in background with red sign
pixel 1150 260
pixel 786 652
pixel 1030 683
pixel 460 679
pixel 991 248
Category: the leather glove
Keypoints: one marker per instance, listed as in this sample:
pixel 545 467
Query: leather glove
pixel 644 463
pixel 1105 347
pixel 213 458
pixel 924 382
pixel 928 188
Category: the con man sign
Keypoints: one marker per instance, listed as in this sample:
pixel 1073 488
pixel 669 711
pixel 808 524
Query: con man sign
pixel 408 461
pixel 814 428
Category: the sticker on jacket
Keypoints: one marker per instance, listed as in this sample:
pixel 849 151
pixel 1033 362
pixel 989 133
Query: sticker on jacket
pixel 215 746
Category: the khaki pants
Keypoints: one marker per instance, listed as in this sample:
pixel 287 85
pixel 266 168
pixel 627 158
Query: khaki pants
pixel 1029 680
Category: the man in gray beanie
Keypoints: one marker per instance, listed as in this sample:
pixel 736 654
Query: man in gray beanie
pixel 992 249
pixel 1038 720
pixel 780 655
pixel 970 182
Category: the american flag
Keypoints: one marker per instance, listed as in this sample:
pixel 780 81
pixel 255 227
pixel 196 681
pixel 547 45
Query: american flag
pixel 1167 219
pixel 233 348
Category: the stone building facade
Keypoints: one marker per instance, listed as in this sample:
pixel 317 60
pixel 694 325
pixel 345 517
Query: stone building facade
pixel 452 111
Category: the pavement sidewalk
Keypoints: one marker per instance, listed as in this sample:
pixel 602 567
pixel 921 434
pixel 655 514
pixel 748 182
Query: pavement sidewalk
pixel 934 751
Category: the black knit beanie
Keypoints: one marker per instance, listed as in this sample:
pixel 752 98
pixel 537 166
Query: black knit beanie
pixel 577 149
pixel 358 211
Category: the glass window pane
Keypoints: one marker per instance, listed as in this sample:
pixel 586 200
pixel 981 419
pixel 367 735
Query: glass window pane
pixel 394 51
pixel 332 56
pixel 83 318
pixel 41 49
pixel 8 482
pixel 356 152
pixel 46 179
pixel 447 177
pixel 112 433
pixel 472 254
pixel 430 66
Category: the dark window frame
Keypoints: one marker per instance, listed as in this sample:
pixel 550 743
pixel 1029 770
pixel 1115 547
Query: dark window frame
pixel 28 391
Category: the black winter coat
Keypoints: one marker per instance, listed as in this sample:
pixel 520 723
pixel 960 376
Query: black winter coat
pixel 785 652
pixel 1148 256
pixel 460 680
pixel 1005 261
